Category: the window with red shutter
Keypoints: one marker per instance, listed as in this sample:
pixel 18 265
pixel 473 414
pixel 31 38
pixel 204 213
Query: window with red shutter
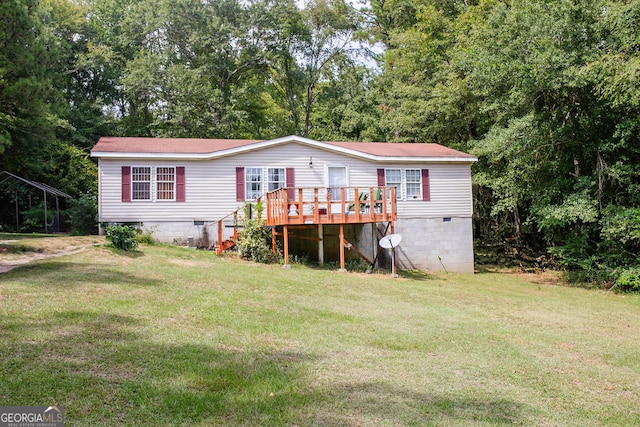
pixel 240 184
pixel 180 184
pixel 426 185
pixel 291 183
pixel 126 184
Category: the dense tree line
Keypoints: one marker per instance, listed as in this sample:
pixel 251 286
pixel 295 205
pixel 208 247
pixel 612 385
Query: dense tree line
pixel 544 92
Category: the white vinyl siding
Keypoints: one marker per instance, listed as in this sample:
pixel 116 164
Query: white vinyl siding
pixel 211 184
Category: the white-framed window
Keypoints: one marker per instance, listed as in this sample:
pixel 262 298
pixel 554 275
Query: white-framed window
pixel 408 183
pixel 253 183
pixel 165 183
pixel 153 183
pixel 141 183
pixel 393 178
pixel 276 178
pixel 337 177
pixel 413 186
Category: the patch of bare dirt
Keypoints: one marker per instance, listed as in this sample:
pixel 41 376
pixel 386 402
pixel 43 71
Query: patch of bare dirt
pixel 43 248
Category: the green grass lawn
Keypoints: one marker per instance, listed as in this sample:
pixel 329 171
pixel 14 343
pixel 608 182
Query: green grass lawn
pixel 171 336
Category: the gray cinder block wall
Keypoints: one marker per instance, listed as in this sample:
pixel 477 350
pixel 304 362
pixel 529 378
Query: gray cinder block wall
pixel 436 244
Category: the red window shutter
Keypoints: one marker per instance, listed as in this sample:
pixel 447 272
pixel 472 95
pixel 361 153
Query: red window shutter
pixel 381 180
pixel 126 184
pixel 291 183
pixel 426 187
pixel 180 189
pixel 240 184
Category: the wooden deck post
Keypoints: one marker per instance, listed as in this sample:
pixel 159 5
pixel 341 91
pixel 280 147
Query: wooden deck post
pixel 300 207
pixel 395 259
pixel 273 241
pixel 219 247
pixel 285 232
pixel 374 242
pixel 320 244
pixel 316 208
pixel 342 246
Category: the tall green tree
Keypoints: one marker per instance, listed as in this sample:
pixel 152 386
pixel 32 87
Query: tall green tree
pixel 314 43
pixel 27 100
pixel 546 94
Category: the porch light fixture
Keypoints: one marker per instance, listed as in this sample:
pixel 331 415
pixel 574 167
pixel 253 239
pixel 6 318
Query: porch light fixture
pixel 310 162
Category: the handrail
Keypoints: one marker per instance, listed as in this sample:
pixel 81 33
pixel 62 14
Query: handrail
pixel 236 217
pixel 219 247
pixel 330 205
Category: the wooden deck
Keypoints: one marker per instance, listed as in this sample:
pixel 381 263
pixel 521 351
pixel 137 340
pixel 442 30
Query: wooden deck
pixel 296 207
pixel 345 205
pixel 316 207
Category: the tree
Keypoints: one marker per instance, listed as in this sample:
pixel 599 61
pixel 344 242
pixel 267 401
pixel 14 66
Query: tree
pixel 545 94
pixel 27 100
pixel 313 44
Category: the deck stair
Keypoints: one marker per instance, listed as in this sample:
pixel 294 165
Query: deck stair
pixel 233 220
pixel 225 246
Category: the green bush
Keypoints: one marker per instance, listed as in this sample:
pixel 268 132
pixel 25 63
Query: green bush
pixel 83 214
pixel 628 280
pixel 122 237
pixel 33 218
pixel 255 243
pixel 145 238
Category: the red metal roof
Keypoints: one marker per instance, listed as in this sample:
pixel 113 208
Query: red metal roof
pixel 186 146
pixel 116 144
pixel 398 149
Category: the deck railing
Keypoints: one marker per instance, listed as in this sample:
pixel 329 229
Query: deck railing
pixel 220 245
pixel 235 220
pixel 318 205
pixel 343 205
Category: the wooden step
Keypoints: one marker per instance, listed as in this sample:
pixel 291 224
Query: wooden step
pixel 227 244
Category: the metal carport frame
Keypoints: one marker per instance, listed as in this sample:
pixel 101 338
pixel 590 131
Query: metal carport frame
pixel 13 183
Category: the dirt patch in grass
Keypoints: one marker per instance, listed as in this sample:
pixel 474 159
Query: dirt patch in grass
pixel 546 277
pixel 17 252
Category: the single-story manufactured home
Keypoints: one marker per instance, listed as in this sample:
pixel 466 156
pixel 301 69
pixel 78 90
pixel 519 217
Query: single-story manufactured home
pixel 320 198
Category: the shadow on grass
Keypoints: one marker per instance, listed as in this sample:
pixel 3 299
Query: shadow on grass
pixel 128 254
pixel 13 248
pixel 21 236
pixel 383 404
pixel 415 275
pixel 75 274
pixel 103 370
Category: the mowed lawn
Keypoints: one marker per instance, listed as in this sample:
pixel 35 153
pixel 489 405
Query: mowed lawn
pixel 172 336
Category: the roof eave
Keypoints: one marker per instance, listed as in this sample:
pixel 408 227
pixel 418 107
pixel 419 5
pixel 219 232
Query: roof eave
pixel 212 156
pixel 151 156
pixel 292 138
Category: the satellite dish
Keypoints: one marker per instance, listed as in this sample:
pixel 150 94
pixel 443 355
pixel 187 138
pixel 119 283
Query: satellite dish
pixel 391 241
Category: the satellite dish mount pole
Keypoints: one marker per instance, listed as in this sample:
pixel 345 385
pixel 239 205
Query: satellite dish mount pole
pixel 390 242
pixel 393 262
